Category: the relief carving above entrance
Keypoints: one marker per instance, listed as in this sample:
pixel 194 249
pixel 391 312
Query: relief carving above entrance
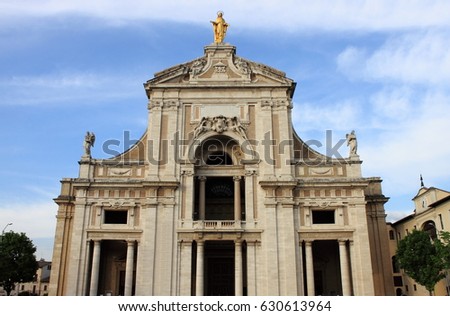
pixel 220 124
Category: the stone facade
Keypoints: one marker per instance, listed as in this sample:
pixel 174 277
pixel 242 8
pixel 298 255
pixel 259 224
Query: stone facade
pixel 431 214
pixel 220 196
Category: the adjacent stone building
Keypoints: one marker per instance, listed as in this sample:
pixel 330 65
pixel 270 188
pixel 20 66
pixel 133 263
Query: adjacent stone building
pixel 431 214
pixel 220 196
pixel 37 287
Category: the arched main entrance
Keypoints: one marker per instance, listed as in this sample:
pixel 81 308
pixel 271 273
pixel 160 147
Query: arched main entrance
pixel 219 210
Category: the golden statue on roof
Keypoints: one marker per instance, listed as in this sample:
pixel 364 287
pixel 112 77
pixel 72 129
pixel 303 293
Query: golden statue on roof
pixel 220 28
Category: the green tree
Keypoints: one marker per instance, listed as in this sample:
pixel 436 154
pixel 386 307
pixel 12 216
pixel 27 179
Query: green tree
pixel 422 259
pixel 444 247
pixel 17 260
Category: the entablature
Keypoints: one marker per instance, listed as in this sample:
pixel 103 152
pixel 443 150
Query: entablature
pixel 311 234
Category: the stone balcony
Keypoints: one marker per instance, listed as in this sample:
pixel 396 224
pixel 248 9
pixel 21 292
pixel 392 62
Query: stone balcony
pixel 218 225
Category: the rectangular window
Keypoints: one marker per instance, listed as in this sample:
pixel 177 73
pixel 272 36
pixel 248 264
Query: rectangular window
pixel 442 222
pixel 398 281
pixel 323 217
pixel 116 217
pixel 415 287
pixel 391 235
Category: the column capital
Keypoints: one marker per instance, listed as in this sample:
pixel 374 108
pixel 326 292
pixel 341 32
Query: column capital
pixel 202 178
pixel 342 241
pixel 237 178
pixel 308 242
pixel 200 242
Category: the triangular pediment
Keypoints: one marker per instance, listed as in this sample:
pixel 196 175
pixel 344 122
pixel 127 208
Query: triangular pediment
pixel 220 65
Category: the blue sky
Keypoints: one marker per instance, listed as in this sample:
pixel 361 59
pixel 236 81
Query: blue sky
pixel 381 68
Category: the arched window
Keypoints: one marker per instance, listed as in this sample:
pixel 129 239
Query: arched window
pixel 218 158
pixel 218 150
pixel 430 228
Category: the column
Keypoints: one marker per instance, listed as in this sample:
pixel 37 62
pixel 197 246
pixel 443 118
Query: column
pixel 300 267
pixel 237 198
pixel 87 272
pixel 356 284
pixel 129 267
pixel 95 268
pixel 185 270
pixel 201 197
pixel 199 282
pixel 345 277
pixel 238 278
pixel 309 268
pixel 251 268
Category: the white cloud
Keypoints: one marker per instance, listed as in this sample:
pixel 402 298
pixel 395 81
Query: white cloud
pixel 352 61
pixel 261 14
pixel 35 219
pixel 339 116
pixel 66 86
pixel 406 131
pixel 407 148
pixel 392 105
pixel 413 58
pixel 393 216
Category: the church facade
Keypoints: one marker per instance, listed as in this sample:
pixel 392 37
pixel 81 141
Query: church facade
pixel 220 196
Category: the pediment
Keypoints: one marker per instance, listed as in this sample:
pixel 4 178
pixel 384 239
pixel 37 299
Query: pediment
pixel 220 65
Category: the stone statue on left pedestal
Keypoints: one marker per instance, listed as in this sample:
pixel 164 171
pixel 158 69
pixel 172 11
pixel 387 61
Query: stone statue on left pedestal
pixel 89 141
pixel 352 143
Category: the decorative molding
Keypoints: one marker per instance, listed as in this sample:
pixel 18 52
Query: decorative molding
pixel 266 104
pixel 321 171
pixel 220 124
pixel 220 68
pixel 250 172
pixel 117 204
pixel 155 104
pixel 171 104
pixel 188 173
pixel 242 66
pixel 121 172
pixel 197 67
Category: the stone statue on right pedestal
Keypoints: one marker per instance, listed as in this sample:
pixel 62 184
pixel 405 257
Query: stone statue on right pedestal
pixel 352 143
